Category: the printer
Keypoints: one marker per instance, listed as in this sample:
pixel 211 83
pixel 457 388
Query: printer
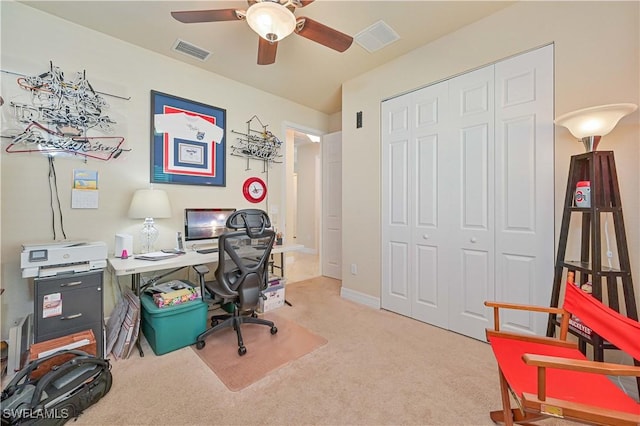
pixel 47 260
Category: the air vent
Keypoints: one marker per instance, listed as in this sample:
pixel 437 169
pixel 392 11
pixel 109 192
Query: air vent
pixel 191 50
pixel 376 37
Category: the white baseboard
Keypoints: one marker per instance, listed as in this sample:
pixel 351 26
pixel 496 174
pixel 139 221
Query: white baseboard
pixel 363 299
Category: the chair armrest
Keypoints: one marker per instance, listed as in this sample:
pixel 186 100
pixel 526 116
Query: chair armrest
pixel 578 412
pixel 201 269
pixel 531 308
pixel 551 341
pixel 586 366
pixel 542 362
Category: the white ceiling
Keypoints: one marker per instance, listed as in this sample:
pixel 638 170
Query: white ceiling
pixel 305 72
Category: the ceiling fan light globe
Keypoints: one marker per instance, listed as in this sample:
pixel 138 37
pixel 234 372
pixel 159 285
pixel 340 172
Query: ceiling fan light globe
pixel 270 20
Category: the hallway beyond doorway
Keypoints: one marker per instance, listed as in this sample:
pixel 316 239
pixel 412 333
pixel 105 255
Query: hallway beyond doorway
pixel 303 267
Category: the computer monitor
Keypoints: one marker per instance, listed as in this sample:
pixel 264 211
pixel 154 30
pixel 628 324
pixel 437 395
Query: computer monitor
pixel 205 225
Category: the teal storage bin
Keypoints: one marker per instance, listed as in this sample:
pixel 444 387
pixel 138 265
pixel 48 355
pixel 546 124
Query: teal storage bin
pixel 172 327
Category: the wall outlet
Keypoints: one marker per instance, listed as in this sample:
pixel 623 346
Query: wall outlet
pixel 354 269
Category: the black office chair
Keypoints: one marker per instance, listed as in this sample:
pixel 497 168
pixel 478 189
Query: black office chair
pixel 242 273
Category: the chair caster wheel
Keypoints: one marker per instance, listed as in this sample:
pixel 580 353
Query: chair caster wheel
pixel 200 344
pixel 214 322
pixel 254 314
pixel 274 329
pixel 242 350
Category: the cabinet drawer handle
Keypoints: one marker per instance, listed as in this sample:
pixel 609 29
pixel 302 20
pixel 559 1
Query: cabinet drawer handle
pixel 71 284
pixel 74 316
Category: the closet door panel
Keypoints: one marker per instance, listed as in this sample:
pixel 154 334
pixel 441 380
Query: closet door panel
pixel 430 297
pixel 475 186
pixel 398 266
pixel 425 299
pixel 518 273
pixel 396 212
pixel 518 160
pixel 524 185
pixel 469 178
pixel 475 268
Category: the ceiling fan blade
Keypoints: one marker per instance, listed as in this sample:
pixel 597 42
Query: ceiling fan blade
pixel 320 33
pixel 194 16
pixel 266 51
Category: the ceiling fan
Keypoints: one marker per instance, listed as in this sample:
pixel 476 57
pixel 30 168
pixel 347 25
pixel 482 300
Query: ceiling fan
pixel 273 20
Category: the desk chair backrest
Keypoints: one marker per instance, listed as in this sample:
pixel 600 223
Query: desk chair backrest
pixel 243 267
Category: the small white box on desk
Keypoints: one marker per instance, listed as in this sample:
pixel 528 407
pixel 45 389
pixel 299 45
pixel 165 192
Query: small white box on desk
pixel 275 299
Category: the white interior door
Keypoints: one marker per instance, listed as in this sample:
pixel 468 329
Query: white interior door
pixel 524 213
pixel 429 237
pixel 467 182
pixel 396 205
pixel 332 205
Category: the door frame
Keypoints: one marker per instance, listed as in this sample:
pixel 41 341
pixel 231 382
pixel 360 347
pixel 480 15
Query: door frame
pixel 288 125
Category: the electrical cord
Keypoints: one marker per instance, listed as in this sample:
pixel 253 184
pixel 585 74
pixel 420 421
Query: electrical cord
pixel 606 235
pixel 53 192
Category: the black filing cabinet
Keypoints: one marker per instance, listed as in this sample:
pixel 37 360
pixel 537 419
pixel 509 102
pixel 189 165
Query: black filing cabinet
pixel 67 304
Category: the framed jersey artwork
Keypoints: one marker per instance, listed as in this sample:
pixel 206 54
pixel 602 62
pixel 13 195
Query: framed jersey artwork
pixel 187 141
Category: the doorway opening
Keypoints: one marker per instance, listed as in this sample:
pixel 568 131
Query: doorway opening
pixel 303 201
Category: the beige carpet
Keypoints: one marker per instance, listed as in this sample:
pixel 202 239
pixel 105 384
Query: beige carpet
pixel 265 352
pixel 377 368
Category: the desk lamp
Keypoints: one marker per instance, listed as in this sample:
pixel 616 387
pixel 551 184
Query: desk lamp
pixel 590 124
pixel 148 204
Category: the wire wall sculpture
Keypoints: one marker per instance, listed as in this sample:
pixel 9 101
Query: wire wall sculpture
pixel 59 116
pixel 258 145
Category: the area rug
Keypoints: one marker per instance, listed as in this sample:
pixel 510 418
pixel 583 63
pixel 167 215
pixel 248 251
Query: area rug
pixel 265 352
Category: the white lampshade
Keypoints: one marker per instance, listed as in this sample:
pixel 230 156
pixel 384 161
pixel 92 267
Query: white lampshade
pixel 150 203
pixel 594 121
pixel 271 20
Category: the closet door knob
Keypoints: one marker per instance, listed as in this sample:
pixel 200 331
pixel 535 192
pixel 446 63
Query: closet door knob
pixel 473 239
pixel 425 236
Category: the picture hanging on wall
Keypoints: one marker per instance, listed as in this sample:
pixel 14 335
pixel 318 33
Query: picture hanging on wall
pixel 187 141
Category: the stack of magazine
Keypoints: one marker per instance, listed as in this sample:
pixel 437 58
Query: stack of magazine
pixel 158 255
pixel 173 293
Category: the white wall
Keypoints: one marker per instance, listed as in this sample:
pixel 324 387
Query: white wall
pixel 113 66
pixel 597 61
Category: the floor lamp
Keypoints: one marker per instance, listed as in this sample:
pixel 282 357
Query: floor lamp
pixel 590 124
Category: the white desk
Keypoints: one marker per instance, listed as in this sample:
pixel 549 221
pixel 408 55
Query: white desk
pixel 132 266
pixel 135 267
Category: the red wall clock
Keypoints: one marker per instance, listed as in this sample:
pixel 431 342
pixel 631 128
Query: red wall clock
pixel 254 189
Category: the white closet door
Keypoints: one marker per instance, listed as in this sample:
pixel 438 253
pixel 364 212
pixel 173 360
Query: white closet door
pixel 414 283
pixel 467 191
pixel 396 216
pixel 524 217
pixel 429 295
pixel 467 182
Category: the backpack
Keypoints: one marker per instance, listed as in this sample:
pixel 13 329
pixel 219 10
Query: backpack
pixel 59 395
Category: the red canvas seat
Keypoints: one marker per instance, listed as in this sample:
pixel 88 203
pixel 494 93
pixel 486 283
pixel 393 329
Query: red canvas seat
pixel 551 377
